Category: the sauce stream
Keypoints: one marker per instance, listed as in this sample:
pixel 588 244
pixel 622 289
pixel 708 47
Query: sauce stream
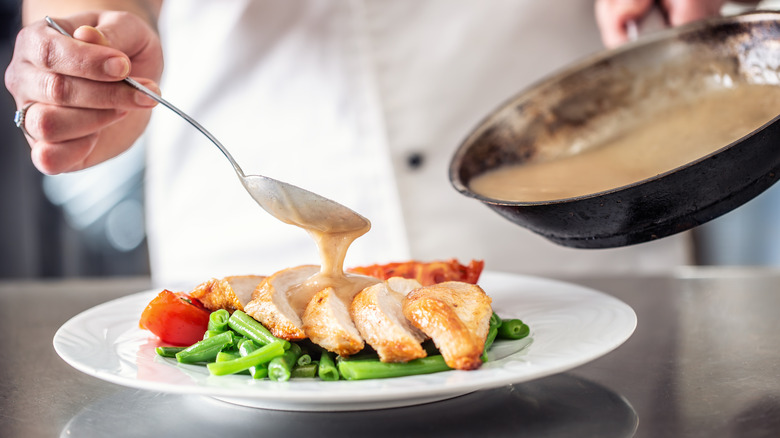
pixel 333 236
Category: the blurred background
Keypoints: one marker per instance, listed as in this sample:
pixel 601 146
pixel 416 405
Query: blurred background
pixel 91 223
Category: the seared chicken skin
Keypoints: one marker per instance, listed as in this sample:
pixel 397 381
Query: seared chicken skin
pixel 378 314
pixel 327 323
pixel 456 316
pixel 278 305
pixel 297 304
pixel 327 320
pixel 229 293
pixel 341 314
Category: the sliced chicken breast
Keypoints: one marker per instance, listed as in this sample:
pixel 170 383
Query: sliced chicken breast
pixel 456 316
pixel 403 285
pixel 328 324
pixel 229 293
pixel 278 304
pixel 327 320
pixel 378 315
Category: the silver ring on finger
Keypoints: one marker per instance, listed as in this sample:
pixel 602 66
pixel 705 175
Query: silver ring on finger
pixel 19 119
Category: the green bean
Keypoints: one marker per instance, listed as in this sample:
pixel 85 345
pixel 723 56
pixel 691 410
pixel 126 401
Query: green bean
pixel 280 368
pixel 495 323
pixel 205 350
pixel 246 347
pixel 224 356
pixel 218 320
pixel 327 369
pixel 168 351
pixel 513 329
pixel 495 320
pixel 246 325
pixel 261 355
pixel 303 359
pixel 259 371
pixel 304 371
pixel 209 333
pixel 360 369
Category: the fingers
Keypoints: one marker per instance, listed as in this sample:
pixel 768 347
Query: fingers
pixel 33 85
pixel 54 124
pixel 612 17
pixel 84 70
pixel 56 158
pixel 61 138
pixel 686 11
pixel 133 36
pixel 55 154
pixel 55 69
pixel 44 49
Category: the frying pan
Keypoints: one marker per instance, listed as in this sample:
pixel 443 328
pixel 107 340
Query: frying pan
pixel 597 95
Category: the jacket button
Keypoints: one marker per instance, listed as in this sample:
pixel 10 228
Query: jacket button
pixel 415 160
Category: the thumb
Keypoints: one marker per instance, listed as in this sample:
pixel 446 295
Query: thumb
pixel 117 66
pixel 91 35
pixel 132 36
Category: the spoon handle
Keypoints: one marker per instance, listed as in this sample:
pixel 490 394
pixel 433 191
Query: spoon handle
pixel 135 84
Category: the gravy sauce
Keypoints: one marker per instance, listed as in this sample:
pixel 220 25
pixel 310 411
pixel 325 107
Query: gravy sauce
pixel 333 250
pixel 333 235
pixel 670 138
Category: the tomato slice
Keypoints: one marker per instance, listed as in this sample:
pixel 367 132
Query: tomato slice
pixel 176 318
pixel 427 273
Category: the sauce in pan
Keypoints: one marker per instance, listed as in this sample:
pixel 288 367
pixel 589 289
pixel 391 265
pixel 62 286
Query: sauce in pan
pixel 672 137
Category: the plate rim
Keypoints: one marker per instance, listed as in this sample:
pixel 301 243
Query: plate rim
pixel 268 394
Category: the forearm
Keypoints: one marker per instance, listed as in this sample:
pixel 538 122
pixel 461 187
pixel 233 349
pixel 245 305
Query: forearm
pixel 33 10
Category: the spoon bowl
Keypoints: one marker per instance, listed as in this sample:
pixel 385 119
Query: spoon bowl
pixel 296 206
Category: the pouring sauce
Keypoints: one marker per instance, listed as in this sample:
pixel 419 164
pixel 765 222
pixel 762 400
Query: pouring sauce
pixel 333 228
pixel 669 138
pixel 333 249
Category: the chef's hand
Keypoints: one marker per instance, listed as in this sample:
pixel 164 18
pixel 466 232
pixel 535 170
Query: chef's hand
pixel 79 114
pixel 613 15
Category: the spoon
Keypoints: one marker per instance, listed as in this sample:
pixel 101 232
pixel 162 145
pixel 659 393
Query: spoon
pixel 286 202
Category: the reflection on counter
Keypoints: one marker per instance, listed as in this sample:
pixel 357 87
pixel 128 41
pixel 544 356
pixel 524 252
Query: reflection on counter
pixel 561 405
pixel 715 390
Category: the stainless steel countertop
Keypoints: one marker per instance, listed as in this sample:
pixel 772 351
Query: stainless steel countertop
pixel 703 362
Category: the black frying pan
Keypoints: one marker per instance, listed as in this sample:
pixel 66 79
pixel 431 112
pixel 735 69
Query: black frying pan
pixel 544 119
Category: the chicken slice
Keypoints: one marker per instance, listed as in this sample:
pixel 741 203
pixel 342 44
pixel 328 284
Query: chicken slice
pixel 403 285
pixel 378 314
pixel 229 293
pixel 456 316
pixel 327 320
pixel 278 304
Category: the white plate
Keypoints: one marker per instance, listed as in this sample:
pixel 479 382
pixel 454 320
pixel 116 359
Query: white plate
pixel 570 325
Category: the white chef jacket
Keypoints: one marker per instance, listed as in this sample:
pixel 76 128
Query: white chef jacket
pixel 361 101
